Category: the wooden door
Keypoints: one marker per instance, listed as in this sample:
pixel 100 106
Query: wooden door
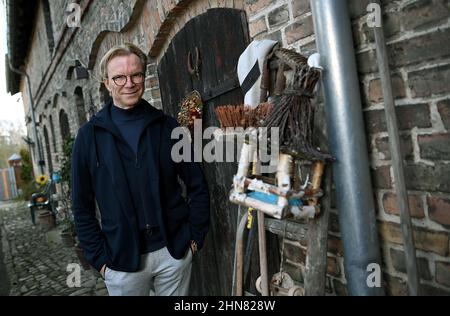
pixel 220 36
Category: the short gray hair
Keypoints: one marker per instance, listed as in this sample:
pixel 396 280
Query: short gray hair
pixel 121 50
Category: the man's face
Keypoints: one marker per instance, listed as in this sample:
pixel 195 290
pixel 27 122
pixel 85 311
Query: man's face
pixel 129 66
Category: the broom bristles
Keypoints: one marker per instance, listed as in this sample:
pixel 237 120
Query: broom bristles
pixel 242 115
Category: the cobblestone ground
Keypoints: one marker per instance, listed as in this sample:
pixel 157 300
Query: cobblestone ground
pixel 36 260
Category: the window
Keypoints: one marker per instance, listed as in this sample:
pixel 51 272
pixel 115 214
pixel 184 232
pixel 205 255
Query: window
pixel 48 26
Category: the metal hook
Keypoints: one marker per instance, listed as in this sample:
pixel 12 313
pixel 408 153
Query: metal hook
pixel 194 70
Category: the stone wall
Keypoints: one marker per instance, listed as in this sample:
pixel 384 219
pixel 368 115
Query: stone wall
pixel 417 32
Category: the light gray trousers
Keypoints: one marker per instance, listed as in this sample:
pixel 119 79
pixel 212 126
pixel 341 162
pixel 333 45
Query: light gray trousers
pixel 160 275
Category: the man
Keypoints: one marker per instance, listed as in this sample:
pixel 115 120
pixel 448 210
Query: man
pixel 122 161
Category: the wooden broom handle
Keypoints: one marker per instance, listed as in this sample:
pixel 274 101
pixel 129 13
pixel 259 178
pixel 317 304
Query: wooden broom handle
pixel 317 168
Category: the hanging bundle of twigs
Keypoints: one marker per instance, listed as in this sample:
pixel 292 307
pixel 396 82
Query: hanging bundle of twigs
pixel 242 115
pixel 293 114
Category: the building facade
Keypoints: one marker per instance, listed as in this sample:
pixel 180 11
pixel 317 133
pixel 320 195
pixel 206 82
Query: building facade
pixel 67 37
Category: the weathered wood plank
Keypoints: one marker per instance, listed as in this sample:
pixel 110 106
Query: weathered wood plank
pixel 316 254
pixel 294 230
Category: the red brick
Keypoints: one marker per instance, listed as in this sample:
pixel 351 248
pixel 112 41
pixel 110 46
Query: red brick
pixel 444 111
pixel 335 246
pixel 257 27
pixel 439 209
pixel 333 267
pixel 426 47
pixel 156 93
pixel 399 264
pixel 426 240
pixel 406 147
pixel 427 178
pixel 300 7
pixel 278 16
pixel 381 177
pixel 298 30
pixel 435 146
pixel 408 117
pixel 152 83
pixel 415 205
pixel 428 82
pixel 424 14
pixel 257 5
pixel 367 62
pixel 398 89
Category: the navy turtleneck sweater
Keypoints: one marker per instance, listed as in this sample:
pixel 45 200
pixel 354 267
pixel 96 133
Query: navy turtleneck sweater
pixel 134 152
pixel 130 123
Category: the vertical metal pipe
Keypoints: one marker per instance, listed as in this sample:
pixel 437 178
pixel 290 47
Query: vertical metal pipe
pixel 38 144
pixel 397 162
pixel 346 132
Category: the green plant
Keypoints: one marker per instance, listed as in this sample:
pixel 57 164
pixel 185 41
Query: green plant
pixel 65 172
pixel 27 167
pixel 66 161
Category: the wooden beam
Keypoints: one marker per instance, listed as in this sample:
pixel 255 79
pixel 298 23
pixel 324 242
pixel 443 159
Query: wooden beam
pixel 316 254
pixel 294 230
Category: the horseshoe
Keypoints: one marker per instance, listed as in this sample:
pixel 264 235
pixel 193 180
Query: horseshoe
pixel 194 70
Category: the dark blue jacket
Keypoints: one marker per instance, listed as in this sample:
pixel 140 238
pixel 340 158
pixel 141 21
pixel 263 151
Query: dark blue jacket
pixel 98 176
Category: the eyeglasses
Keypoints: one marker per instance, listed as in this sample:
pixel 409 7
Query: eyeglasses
pixel 135 78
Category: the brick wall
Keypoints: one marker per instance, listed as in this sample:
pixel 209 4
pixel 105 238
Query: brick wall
pixel 417 35
pixel 417 32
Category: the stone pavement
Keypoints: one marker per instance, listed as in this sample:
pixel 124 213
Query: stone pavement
pixel 36 261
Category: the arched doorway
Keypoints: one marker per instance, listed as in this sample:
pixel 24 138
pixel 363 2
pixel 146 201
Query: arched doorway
pixel 64 126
